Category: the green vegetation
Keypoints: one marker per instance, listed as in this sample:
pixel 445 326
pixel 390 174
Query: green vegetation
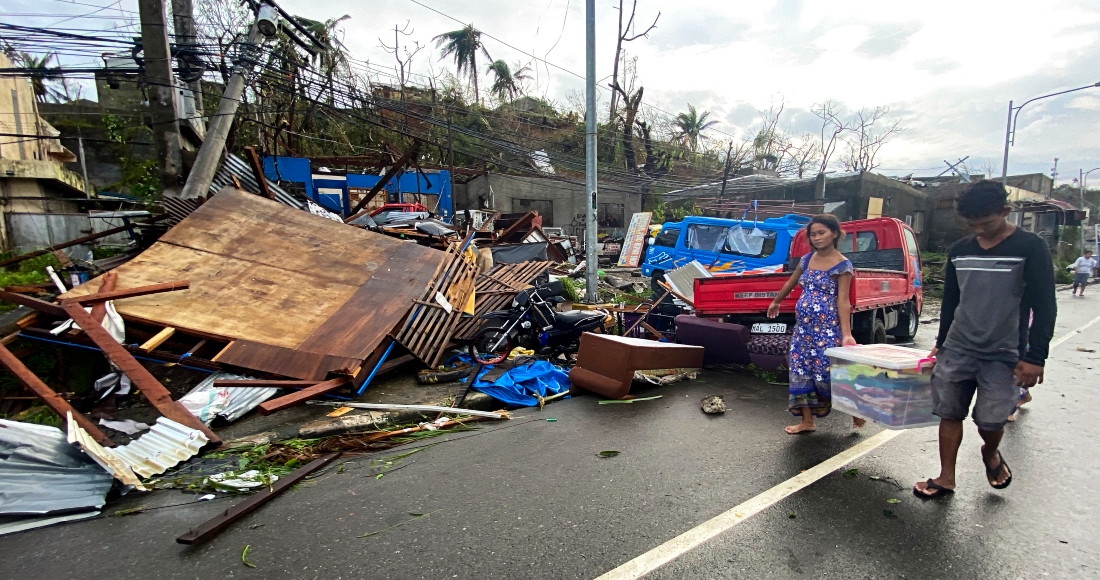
pixel 27 273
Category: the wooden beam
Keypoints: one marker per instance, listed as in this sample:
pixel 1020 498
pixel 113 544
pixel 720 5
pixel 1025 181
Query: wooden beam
pixel 36 304
pixel 158 339
pixel 211 527
pixel 222 351
pixel 149 386
pixel 48 396
pixel 273 405
pixel 395 169
pixel 99 311
pixel 261 383
pixel 79 241
pixel 258 169
pixel 128 293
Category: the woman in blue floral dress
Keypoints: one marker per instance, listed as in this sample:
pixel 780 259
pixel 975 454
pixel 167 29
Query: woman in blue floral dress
pixel 823 320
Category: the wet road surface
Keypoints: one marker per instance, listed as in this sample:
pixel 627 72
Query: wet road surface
pixel 531 498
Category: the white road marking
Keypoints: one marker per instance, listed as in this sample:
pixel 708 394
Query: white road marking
pixel 1070 335
pixel 696 536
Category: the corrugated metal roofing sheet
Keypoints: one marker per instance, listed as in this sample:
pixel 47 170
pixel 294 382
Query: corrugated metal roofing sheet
pixel 40 473
pixel 235 166
pixel 241 399
pixel 166 444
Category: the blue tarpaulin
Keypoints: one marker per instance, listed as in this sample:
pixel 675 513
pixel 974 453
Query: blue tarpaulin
pixel 517 385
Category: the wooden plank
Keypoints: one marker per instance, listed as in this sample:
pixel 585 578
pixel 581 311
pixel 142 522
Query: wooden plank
pixel 258 171
pixel 102 296
pixel 99 310
pixel 286 362
pixel 49 397
pixel 78 241
pixel 158 339
pixel 270 406
pixel 365 370
pixel 218 356
pixel 39 305
pixel 211 527
pixel 149 386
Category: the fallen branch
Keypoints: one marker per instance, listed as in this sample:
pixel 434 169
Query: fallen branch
pixel 387 407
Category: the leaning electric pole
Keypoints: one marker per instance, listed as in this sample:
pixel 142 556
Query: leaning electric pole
pixel 591 257
pixel 267 24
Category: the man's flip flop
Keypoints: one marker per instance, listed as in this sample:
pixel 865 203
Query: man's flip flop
pixel 991 474
pixel 937 490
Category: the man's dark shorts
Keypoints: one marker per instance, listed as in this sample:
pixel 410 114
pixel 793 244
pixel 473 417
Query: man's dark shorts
pixel 955 379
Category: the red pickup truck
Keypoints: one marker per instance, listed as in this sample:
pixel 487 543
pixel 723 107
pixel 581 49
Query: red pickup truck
pixel 886 292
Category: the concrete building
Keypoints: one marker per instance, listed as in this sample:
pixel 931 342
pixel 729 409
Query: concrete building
pixel 35 187
pixel 560 203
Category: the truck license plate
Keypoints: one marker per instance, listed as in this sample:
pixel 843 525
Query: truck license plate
pixel 773 328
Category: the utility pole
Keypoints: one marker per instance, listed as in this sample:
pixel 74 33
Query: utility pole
pixel 1053 177
pixel 726 173
pixel 183 20
pixel 266 25
pixel 591 258
pixel 161 89
pixel 210 154
pixel 1081 191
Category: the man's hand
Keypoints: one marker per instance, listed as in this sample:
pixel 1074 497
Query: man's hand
pixel 773 309
pixel 932 353
pixel 1027 375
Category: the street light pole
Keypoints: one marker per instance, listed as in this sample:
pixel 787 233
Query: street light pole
pixel 1084 175
pixel 591 258
pixel 1013 115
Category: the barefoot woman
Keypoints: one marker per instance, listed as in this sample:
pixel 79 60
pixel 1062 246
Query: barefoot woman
pixel 823 321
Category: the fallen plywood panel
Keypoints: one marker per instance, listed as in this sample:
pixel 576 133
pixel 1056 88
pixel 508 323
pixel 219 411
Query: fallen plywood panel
pixel 301 296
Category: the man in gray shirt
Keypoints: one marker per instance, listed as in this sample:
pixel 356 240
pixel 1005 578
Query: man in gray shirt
pixel 996 280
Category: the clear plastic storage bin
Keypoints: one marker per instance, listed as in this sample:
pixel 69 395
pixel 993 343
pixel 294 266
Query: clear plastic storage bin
pixel 890 385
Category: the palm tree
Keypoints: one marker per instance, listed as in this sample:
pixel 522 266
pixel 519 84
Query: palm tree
pixel 690 126
pixel 463 44
pixel 506 85
pixel 42 92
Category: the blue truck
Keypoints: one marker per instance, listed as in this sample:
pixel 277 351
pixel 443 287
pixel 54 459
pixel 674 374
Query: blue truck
pixel 723 245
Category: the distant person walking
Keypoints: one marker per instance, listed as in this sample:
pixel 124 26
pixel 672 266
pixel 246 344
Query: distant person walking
pixel 823 315
pixel 996 279
pixel 1082 269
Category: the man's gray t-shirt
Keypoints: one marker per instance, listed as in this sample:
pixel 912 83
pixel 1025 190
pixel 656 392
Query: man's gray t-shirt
pixel 990 296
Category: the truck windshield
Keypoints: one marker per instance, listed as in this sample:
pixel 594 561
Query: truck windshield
pixel 739 241
pixel 667 237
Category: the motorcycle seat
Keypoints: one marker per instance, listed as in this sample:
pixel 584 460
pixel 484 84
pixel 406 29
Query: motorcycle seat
pixel 575 317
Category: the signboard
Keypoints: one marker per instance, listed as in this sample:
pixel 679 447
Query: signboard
pixel 634 242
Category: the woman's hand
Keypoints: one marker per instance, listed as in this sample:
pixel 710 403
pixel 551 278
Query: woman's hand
pixel 848 341
pixel 773 308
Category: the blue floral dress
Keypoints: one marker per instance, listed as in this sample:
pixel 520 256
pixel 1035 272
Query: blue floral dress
pixel 817 328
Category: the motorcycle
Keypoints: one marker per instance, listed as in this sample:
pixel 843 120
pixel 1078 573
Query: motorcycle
pixel 534 323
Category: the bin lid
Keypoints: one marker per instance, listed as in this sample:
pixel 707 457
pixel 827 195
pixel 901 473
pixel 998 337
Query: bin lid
pixel 887 356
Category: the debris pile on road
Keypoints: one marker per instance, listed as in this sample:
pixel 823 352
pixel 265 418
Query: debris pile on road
pixel 280 302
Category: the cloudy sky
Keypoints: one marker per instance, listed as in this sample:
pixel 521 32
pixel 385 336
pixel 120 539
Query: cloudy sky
pixel 945 69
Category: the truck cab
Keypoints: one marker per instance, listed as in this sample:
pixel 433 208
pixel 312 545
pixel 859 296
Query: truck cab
pixel 723 246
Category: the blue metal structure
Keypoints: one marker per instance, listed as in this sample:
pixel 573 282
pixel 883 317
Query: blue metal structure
pixel 332 192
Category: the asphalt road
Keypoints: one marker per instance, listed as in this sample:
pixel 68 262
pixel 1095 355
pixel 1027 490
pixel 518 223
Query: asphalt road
pixel 531 498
